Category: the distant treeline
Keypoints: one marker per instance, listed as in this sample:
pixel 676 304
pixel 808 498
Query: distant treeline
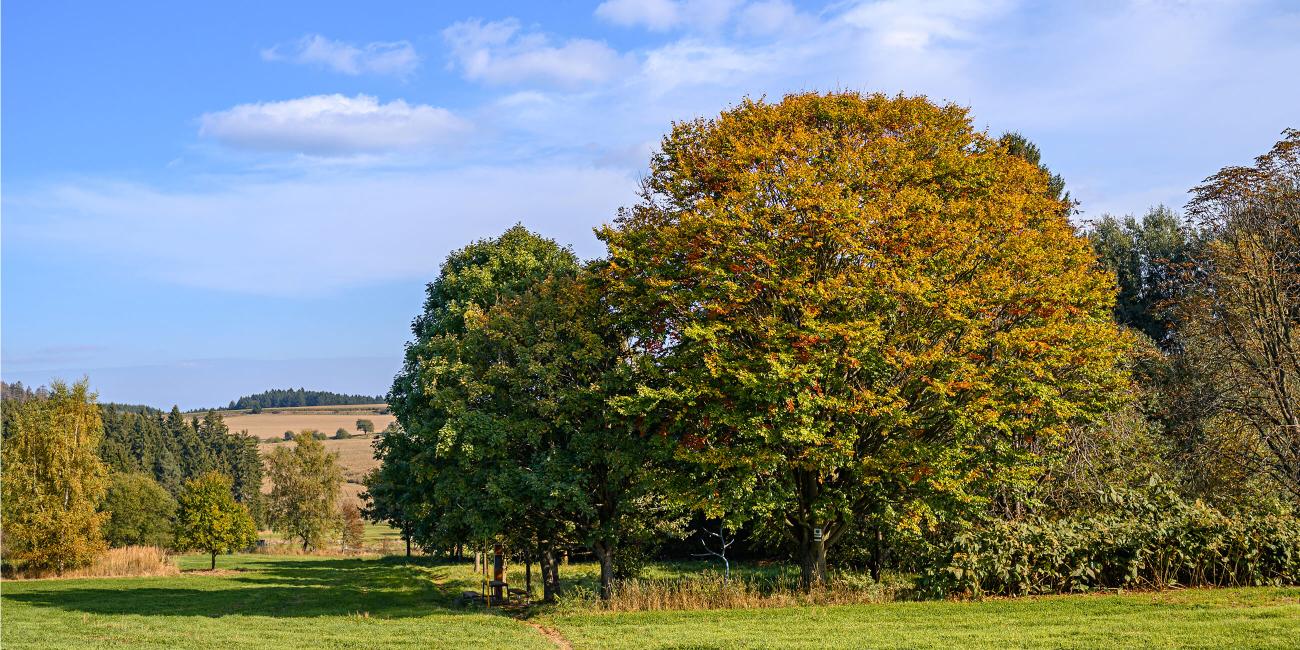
pixel 290 397
pixel 17 391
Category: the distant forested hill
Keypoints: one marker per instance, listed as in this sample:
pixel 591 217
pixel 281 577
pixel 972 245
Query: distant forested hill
pixel 300 397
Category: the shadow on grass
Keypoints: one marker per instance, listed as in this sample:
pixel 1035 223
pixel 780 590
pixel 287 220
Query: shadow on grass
pixel 384 588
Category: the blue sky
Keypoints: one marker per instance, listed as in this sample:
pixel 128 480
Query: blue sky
pixel 202 200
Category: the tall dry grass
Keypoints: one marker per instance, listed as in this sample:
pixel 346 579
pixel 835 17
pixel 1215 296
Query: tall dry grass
pixel 125 562
pixel 710 591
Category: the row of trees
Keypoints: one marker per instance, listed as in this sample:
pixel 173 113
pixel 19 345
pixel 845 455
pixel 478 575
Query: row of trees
pixel 1217 295
pixel 289 397
pixel 60 508
pixel 825 316
pixel 77 479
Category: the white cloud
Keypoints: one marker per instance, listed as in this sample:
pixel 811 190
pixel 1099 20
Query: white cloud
pixel 652 14
pixel 912 24
pixel 397 58
pixel 312 233
pixel 693 63
pixel 500 52
pixel 768 17
pixel 332 125
pixel 662 15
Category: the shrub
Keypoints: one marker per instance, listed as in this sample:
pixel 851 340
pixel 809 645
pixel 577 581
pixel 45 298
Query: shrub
pixel 342 434
pixel 1143 539
pixel 141 512
pixel 354 528
pixel 288 435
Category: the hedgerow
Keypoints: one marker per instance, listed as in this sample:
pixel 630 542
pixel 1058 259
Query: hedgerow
pixel 1140 539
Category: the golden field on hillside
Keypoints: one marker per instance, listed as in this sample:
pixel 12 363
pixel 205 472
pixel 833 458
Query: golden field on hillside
pixel 356 454
pixel 272 423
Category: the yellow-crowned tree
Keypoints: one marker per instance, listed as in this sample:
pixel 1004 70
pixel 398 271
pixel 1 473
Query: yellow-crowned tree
pixel 844 303
pixel 53 480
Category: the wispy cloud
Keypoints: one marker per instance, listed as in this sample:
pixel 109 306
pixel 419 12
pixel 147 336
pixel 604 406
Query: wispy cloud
pixel 54 355
pixel 314 232
pixel 662 15
pixel 329 125
pixel 502 52
pixel 396 58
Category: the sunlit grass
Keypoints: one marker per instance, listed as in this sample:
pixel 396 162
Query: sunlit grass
pixel 316 602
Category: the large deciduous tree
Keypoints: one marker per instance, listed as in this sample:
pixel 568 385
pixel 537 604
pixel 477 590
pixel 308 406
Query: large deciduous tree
pixel 424 396
pixel 1244 317
pixel 846 303
pixel 552 461
pixel 53 480
pixel 305 483
pixel 209 518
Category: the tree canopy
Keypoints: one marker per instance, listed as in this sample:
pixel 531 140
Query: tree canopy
pixel 855 302
pixel 305 484
pixel 141 512
pixel 210 520
pixel 53 480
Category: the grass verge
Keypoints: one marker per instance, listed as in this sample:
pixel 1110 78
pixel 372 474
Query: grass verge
pixel 1258 617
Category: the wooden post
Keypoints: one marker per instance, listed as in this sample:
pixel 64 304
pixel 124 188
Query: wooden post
pixel 498 572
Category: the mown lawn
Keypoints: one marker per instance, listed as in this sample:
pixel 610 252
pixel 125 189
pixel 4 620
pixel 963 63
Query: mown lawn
pixel 315 602
pixel 264 602
pixel 1199 618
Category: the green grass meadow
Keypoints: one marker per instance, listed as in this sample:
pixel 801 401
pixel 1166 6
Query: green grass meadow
pixel 323 602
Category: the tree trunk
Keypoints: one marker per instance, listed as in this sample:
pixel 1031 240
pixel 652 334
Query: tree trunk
pixel 214 562
pixel 878 553
pixel 408 546
pixel 812 560
pixel 605 553
pixel 528 576
pixel 550 578
pixel 555 573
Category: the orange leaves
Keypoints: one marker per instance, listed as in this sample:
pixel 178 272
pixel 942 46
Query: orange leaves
pixel 876 280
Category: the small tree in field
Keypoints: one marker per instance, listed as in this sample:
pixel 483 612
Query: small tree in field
pixel 210 520
pixel 365 426
pixel 306 482
pixel 354 528
pixel 342 434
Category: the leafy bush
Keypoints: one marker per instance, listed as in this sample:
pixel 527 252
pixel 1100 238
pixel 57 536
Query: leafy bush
pixel 342 434
pixel 140 511
pixel 1141 539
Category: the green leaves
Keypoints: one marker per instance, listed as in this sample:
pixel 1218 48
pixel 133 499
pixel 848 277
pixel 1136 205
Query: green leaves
pixel 210 520
pixel 1149 538
pixel 850 300
pixel 305 483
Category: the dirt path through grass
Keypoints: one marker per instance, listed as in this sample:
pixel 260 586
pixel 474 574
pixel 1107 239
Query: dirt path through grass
pixel 550 633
